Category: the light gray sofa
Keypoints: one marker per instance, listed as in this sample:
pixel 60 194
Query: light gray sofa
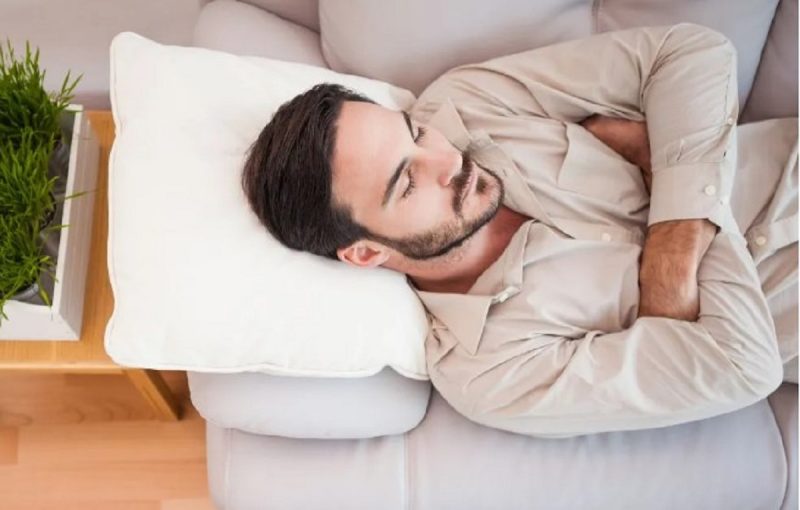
pixel 387 442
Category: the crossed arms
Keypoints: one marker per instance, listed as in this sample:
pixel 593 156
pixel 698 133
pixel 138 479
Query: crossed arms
pixel 673 249
pixel 660 371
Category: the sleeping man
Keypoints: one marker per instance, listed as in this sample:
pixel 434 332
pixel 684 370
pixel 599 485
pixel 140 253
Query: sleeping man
pixel 598 245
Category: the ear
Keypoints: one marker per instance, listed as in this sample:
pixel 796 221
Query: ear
pixel 363 254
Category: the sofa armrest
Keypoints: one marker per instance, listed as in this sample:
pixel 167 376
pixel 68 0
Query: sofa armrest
pixel 243 29
pixel 307 407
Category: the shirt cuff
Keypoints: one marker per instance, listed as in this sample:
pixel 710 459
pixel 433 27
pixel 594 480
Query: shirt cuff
pixel 691 191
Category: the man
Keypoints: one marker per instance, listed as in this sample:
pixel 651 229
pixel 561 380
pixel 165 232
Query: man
pixel 584 271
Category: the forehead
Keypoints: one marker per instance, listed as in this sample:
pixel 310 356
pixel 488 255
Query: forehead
pixel 369 145
pixel 365 130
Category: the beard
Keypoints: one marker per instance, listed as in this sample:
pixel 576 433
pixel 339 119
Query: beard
pixel 442 240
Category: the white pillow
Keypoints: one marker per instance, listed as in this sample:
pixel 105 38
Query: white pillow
pixel 198 283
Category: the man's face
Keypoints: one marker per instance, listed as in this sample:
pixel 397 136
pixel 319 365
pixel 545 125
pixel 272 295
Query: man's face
pixel 407 184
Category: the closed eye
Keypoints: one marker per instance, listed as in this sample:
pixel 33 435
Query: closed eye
pixel 420 135
pixel 421 131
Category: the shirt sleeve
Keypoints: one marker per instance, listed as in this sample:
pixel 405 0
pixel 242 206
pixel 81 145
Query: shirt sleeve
pixel 680 78
pixel 656 373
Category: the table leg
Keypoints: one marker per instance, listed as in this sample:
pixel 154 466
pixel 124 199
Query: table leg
pixel 156 392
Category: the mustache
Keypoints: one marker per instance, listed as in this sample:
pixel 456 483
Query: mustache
pixel 460 181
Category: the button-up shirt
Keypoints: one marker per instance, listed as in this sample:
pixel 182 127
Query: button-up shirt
pixel 547 341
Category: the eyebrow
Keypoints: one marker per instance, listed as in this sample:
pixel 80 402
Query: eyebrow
pixel 396 175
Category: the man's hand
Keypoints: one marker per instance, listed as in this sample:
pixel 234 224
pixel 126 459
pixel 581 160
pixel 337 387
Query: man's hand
pixel 628 138
pixel 668 270
pixel 673 249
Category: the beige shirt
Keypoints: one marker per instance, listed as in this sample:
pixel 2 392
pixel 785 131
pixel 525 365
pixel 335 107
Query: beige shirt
pixel 547 341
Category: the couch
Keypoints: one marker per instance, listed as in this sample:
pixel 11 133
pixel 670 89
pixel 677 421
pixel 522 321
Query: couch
pixel 389 442
pixel 385 441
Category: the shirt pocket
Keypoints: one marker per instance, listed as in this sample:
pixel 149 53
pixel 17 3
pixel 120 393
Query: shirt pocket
pixel 593 170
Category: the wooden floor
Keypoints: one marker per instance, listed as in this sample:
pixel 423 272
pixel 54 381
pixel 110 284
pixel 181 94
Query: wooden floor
pixel 88 442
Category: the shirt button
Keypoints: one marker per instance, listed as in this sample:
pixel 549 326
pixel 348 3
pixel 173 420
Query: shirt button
pixel 503 296
pixel 731 121
pixel 606 237
pixel 710 190
pixel 761 240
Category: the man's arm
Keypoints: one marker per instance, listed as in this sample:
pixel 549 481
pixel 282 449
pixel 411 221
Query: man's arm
pixel 671 257
pixel 656 373
pixel 672 249
pixel 660 371
pixel 628 138
pixel 682 78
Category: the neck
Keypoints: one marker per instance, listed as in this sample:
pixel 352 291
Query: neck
pixel 481 251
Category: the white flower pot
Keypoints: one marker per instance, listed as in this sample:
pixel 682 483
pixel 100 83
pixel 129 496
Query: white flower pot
pixel 28 317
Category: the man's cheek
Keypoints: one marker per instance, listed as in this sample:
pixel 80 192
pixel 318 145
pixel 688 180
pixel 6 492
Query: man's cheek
pixel 429 212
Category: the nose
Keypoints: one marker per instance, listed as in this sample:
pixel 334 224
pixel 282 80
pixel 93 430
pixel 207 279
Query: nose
pixel 444 165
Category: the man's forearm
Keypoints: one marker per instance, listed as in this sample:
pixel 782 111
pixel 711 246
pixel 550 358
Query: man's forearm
pixel 668 270
pixel 673 249
pixel 628 138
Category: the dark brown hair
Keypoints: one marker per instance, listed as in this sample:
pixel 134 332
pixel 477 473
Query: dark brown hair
pixel 287 177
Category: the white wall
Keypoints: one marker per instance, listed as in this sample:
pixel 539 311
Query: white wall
pixel 75 34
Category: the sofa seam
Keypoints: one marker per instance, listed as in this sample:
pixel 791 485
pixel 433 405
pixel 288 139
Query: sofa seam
pixel 326 48
pixel 785 452
pixel 767 39
pixel 406 485
pixel 596 7
pixel 228 456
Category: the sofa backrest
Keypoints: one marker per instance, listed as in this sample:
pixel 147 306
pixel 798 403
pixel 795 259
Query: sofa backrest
pixel 411 42
pixel 774 92
pixel 302 12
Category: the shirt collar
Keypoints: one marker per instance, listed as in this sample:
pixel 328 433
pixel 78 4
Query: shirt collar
pixel 447 121
pixel 464 315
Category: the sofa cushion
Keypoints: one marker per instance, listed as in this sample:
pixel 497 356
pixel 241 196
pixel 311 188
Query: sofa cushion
pixel 243 29
pixel 735 460
pixel 413 42
pixel 775 88
pixel 745 22
pixel 303 12
pixel 254 472
pixel 198 282
pixel 311 407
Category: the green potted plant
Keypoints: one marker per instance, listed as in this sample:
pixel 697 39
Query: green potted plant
pixel 33 157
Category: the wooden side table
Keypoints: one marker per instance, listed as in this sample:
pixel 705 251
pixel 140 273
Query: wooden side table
pixel 88 356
